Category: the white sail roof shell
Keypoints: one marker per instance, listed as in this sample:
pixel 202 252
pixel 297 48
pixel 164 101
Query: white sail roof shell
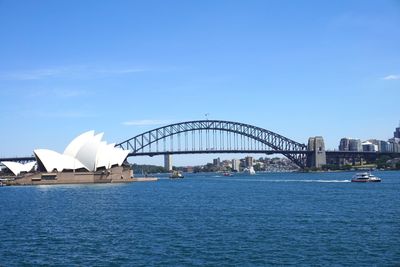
pixel 88 152
pixel 85 151
pixel 49 158
pixel 120 155
pixel 111 155
pixel 70 163
pixel 53 160
pixel 16 168
pixel 73 148
pixel 104 155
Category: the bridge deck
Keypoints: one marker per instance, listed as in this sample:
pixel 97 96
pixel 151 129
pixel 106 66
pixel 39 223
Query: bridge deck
pixel 268 152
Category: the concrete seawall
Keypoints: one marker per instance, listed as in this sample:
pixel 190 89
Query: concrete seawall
pixel 113 175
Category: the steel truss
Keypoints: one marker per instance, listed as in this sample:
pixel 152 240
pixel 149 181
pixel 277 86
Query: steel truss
pixel 214 136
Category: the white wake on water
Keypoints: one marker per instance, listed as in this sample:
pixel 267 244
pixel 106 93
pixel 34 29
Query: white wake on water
pixel 289 180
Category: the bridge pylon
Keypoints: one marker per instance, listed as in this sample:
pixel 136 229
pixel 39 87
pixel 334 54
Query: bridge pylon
pixel 168 162
pixel 318 157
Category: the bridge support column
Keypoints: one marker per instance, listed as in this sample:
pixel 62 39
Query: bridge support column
pixel 168 162
pixel 318 157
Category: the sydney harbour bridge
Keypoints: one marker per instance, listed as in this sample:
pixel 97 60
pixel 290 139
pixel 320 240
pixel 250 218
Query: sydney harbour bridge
pixel 216 136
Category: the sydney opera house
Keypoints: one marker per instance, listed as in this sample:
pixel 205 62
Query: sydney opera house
pixel 87 159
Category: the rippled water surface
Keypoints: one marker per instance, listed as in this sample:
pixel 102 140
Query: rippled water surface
pixel 266 219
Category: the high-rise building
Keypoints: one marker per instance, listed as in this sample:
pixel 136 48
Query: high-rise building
pixel 344 144
pixel 394 145
pixel 349 144
pixel 248 162
pixel 369 147
pixel 236 165
pixel 355 145
pixel 396 133
pixel 380 146
pixel 217 162
pixel 384 146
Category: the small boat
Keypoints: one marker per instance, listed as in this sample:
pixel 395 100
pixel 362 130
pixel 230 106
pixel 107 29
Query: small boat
pixel 176 174
pixel 227 174
pixel 364 177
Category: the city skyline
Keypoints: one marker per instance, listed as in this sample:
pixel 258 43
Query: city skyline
pixel 300 70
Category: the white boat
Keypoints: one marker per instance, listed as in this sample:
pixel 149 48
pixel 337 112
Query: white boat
pixel 364 177
pixel 250 171
pixel 176 174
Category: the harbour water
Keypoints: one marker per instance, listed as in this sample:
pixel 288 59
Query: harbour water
pixel 205 219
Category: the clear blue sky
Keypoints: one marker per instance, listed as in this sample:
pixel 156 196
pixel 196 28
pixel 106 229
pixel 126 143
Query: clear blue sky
pixel 298 68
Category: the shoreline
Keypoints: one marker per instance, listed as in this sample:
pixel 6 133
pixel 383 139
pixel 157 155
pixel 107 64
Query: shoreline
pixel 113 175
pixel 131 180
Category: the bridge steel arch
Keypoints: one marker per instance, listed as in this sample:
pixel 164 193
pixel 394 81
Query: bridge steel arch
pixel 142 143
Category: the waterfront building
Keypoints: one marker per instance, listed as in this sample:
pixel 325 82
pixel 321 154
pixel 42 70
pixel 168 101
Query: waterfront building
pixel 85 152
pixel 87 159
pixel 249 161
pixel 189 169
pixel 396 133
pixel 226 164
pixel 236 165
pixel 384 146
pixel 369 147
pixel 18 168
pixel 217 162
pixel 350 144
pixel 344 144
pixel 394 145
pixel 381 146
pixel 355 145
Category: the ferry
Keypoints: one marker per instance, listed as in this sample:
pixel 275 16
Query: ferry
pixel 365 177
pixel 176 174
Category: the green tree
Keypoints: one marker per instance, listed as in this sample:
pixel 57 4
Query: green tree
pixel 257 167
pixel 398 165
pixel 148 169
pixel 382 162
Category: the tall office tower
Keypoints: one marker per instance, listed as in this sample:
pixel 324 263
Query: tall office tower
pixel 355 145
pixel 217 162
pixel 344 144
pixel 249 162
pixel 236 165
pixel 396 133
